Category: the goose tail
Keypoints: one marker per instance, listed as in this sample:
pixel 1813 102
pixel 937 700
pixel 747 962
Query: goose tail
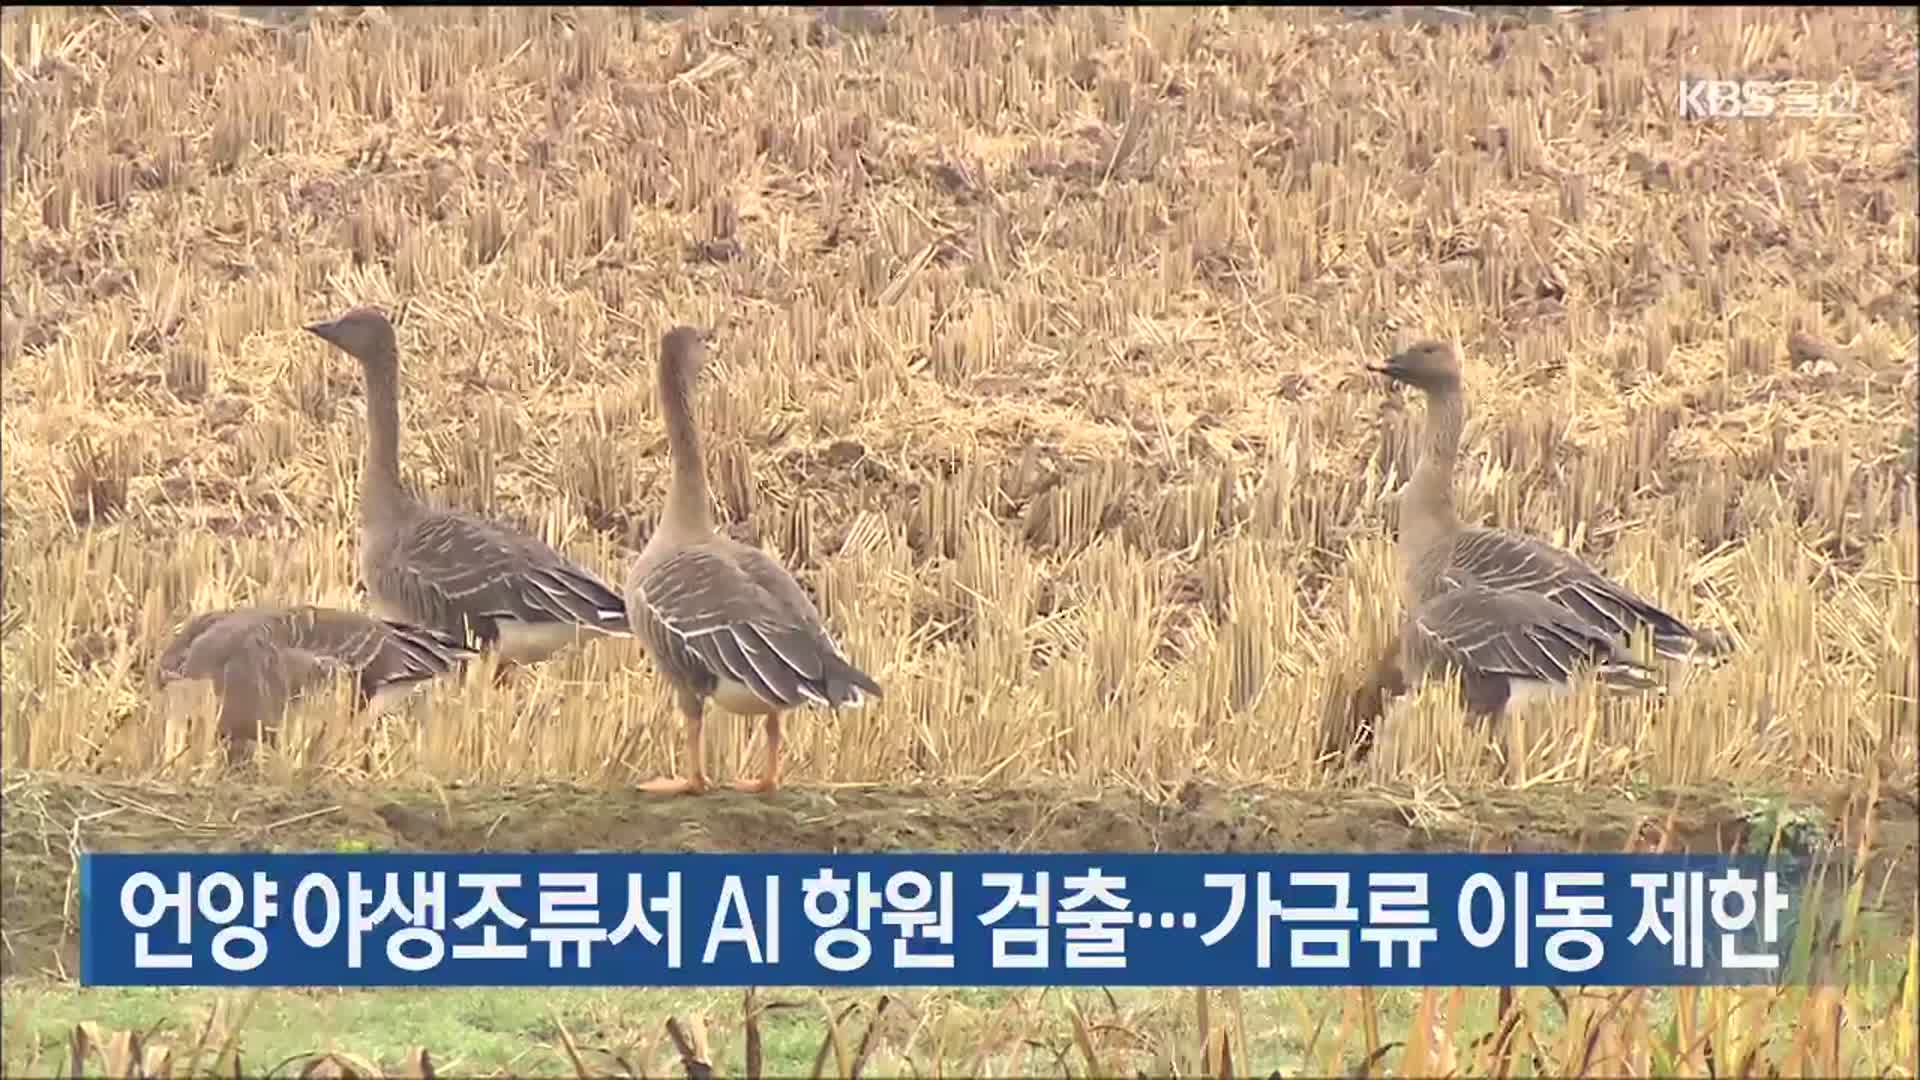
pixel 449 650
pixel 847 685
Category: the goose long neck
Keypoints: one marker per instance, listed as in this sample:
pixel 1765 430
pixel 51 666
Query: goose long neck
pixel 1427 515
pixel 382 494
pixel 688 507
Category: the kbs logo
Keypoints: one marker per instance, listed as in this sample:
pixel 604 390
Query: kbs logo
pixel 1725 99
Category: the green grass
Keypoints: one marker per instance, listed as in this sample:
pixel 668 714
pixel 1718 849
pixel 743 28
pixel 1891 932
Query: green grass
pixel 488 1031
pixel 482 1030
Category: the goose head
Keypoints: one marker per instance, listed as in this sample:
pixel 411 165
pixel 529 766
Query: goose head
pixel 1432 366
pixel 364 333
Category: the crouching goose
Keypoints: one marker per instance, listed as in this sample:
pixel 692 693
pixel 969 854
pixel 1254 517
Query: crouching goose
pixel 447 569
pixel 721 619
pixel 258 659
pixel 1437 553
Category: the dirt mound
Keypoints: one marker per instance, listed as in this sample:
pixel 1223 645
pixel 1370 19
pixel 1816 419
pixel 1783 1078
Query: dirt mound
pixel 48 820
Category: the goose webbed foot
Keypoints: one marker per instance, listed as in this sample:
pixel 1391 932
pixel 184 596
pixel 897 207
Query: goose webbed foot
pixel 675 785
pixel 695 781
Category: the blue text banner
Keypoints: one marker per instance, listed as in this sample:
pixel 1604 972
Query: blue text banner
pixel 924 919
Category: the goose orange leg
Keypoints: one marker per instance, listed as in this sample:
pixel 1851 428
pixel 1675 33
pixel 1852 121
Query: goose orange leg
pixel 769 780
pixel 502 673
pixel 695 782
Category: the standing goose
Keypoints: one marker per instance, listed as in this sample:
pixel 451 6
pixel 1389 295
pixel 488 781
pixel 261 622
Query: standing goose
pixel 456 572
pixel 260 658
pixel 1438 554
pixel 721 619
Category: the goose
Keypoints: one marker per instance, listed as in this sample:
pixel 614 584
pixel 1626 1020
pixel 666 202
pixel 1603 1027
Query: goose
pixel 722 620
pixel 1437 554
pixel 450 570
pixel 259 658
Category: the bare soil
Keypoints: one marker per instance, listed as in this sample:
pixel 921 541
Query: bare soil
pixel 47 820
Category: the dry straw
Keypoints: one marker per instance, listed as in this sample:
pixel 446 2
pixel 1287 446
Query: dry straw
pixel 1051 332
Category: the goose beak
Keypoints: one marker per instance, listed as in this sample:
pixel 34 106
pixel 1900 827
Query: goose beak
pixel 326 331
pixel 1392 369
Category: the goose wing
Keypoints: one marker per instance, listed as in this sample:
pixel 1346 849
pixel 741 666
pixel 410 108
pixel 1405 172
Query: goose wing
pixel 1502 560
pixel 463 568
pixel 1515 634
pixel 381 652
pixel 726 610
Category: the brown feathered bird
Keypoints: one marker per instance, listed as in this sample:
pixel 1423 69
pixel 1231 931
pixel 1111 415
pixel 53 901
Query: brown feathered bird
pixel 450 570
pixel 1514 619
pixel 260 658
pixel 1438 554
pixel 721 619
